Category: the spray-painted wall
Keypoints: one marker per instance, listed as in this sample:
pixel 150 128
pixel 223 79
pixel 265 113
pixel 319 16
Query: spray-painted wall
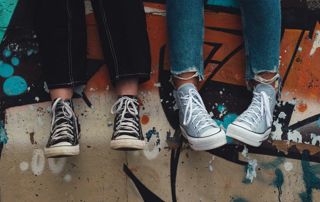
pixel 167 169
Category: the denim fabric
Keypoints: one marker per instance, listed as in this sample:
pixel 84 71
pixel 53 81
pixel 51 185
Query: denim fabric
pixel 261 27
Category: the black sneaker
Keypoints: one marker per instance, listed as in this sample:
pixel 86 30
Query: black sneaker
pixel 127 133
pixel 65 130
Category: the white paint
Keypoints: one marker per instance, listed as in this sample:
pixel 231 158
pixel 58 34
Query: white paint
pixel 56 165
pixel 157 85
pixel 37 99
pixel 315 138
pixel 282 115
pixel 67 178
pixel 37 162
pixel 210 166
pixel 251 170
pixel 288 166
pixel 295 136
pixel 316 43
pixel 151 150
pixel 245 152
pixel 24 166
pixel 300 49
pixel 154 11
pixel 276 135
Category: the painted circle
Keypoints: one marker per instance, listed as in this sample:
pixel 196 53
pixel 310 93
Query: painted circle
pixel 14 85
pixel 6 53
pixel 6 70
pixel 15 61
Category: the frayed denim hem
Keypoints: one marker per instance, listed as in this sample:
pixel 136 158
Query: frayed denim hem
pixel 194 69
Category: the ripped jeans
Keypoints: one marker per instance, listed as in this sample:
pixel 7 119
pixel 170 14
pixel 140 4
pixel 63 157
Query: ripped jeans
pixel 261 22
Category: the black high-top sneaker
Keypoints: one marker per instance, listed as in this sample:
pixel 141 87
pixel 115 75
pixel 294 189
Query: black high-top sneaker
pixel 127 133
pixel 65 130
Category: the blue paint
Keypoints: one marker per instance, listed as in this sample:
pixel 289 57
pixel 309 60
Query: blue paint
pixel 221 108
pixel 278 182
pixel 310 178
pixel 225 3
pixel 3 134
pixel 6 53
pixel 229 118
pixel 15 61
pixel 14 85
pixel 6 70
pixel 7 8
pixel 150 133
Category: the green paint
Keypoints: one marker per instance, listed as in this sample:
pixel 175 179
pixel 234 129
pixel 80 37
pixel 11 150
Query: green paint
pixel 7 8
pixel 273 164
pixel 311 181
pixel 278 182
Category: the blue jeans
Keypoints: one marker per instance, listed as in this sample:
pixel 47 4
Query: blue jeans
pixel 261 29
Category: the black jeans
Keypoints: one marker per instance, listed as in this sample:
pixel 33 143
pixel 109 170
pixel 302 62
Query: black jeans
pixel 63 40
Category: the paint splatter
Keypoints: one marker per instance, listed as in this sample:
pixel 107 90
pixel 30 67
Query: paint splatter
pixel 316 43
pixel 302 107
pixel 288 166
pixel 3 134
pixel 238 199
pixel 277 133
pixel 37 162
pixel 250 171
pixel 24 166
pixel 56 165
pixel 315 139
pixel 6 70
pixel 221 108
pixel 295 136
pixel 278 182
pixel 145 119
pixel 67 178
pixel 15 85
pixel 153 147
pixel 310 178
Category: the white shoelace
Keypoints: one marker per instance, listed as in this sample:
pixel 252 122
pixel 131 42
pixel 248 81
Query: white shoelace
pixel 63 129
pixel 194 103
pixel 126 125
pixel 259 107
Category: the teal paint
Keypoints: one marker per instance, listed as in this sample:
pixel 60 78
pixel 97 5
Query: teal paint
pixel 6 70
pixel 3 134
pixel 239 199
pixel 225 3
pixel 318 122
pixel 221 108
pixel 229 118
pixel 14 85
pixel 311 181
pixel 6 53
pixel 15 61
pixel 7 8
pixel 273 164
pixel 278 182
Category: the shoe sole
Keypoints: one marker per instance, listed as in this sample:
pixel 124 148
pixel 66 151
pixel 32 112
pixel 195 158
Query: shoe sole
pixel 127 144
pixel 62 151
pixel 247 136
pixel 206 143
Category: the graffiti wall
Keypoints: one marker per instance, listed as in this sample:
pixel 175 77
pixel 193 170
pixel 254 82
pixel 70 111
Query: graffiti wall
pixel 285 167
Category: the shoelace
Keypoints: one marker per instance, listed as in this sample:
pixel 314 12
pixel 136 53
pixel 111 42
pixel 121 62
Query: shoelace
pixel 60 125
pixel 259 107
pixel 193 104
pixel 124 124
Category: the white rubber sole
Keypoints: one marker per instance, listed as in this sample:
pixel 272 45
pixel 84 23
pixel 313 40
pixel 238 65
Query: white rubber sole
pixel 60 151
pixel 246 136
pixel 127 144
pixel 206 143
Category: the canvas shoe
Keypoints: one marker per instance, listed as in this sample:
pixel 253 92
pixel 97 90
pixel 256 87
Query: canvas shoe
pixel 253 126
pixel 65 130
pixel 196 125
pixel 127 132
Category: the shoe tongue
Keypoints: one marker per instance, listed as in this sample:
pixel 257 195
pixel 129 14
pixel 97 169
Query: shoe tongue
pixel 185 87
pixel 267 88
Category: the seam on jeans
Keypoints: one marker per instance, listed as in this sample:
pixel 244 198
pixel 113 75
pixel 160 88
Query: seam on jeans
pixel 107 31
pixel 69 43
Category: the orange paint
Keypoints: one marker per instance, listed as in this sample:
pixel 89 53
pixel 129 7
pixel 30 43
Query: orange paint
pixel 302 107
pixel 145 119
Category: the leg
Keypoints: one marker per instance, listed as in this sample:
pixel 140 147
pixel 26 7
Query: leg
pixel 62 40
pixel 261 23
pixel 185 31
pixel 124 37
